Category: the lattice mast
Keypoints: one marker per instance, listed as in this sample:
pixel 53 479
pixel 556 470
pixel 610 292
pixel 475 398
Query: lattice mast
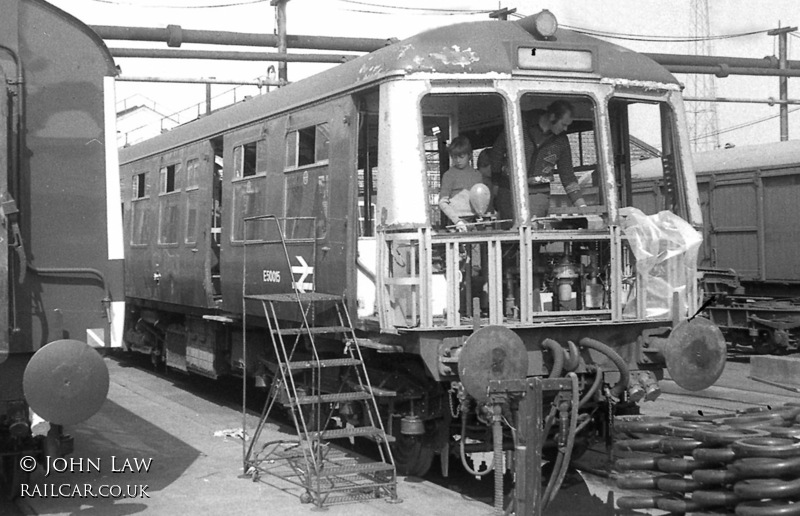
pixel 702 114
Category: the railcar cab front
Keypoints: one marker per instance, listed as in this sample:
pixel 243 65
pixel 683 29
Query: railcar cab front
pixel 514 267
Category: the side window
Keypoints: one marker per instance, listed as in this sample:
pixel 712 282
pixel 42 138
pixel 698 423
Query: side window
pixel 192 200
pixel 169 207
pixel 168 177
pixel 139 186
pixel 307 146
pixel 140 210
pixel 249 189
pixel 244 160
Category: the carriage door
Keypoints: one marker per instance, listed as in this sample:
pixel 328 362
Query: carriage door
pixel 320 153
pixel 216 218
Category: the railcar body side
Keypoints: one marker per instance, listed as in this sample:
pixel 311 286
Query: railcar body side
pixel 350 161
pixel 61 264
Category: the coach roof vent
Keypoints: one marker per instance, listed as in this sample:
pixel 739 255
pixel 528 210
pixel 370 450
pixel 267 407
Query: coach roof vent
pixel 542 25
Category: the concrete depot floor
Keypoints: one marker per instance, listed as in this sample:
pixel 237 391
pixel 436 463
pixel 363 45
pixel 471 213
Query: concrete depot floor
pixel 195 465
pixel 181 425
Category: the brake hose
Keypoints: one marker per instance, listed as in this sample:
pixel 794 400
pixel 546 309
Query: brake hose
pixel 624 372
pixel 558 357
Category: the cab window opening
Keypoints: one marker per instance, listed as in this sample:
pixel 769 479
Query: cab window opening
pixel 646 157
pixel 560 151
pixel 480 119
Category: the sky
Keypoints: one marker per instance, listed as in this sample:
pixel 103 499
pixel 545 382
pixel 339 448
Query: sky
pixel 367 18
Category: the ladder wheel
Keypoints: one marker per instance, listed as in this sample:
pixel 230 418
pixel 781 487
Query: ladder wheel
pixel 411 456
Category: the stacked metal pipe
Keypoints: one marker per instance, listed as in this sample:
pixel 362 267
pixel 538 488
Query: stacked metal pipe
pixel 745 463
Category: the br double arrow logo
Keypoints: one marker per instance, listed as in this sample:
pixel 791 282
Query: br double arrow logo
pixel 304 270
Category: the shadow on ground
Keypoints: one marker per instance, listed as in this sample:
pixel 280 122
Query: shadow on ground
pixel 110 438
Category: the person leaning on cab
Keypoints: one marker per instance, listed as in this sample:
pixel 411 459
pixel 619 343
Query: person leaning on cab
pixel 547 152
pixel 455 200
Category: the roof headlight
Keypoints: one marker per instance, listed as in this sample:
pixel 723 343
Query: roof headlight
pixel 545 24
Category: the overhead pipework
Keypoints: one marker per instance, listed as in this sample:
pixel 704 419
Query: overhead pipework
pixel 175 36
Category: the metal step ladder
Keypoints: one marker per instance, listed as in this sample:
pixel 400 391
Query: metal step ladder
pixel 327 474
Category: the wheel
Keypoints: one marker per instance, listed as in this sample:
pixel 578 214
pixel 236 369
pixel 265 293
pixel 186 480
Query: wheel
pixel 411 456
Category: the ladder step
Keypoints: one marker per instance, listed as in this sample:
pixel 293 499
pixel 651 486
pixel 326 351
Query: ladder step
pixel 331 398
pixel 327 362
pixel 356 431
pixel 313 329
pixel 354 469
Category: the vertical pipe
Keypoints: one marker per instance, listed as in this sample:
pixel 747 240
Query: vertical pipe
pixel 280 18
pixel 761 232
pixel 5 144
pixel 368 179
pixel 783 86
pixel 426 259
pixel 783 81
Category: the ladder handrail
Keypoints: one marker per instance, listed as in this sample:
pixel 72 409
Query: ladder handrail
pixel 281 350
pixel 288 264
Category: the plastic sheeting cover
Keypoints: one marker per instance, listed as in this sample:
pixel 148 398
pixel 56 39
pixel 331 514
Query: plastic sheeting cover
pixel 665 247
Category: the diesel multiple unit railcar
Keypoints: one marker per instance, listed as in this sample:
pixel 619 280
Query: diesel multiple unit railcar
pixel 61 248
pixel 349 163
pixel 750 245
